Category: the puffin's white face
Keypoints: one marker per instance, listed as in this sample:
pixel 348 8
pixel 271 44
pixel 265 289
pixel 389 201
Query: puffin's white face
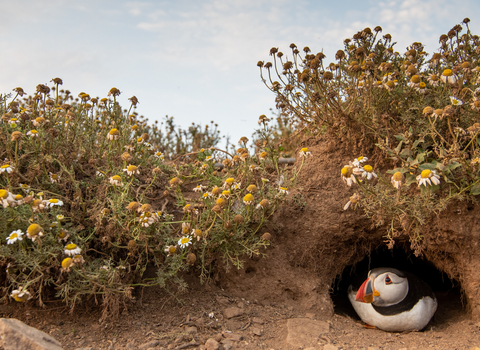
pixel 391 289
pixel 383 288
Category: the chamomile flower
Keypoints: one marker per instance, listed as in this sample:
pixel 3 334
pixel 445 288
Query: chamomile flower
pixel 253 167
pixel 251 188
pixel 455 101
pixel 34 231
pixel 305 152
pixel 14 236
pixel 264 203
pixel 448 77
pixel 100 173
pixel 229 182
pixel 283 190
pixel 72 249
pixel 368 172
pixel 113 134
pixel 116 180
pixel 53 202
pixel 170 250
pixel 185 241
pixel 20 295
pixel 427 177
pixel 397 180
pixel 159 155
pixel 207 195
pixel 200 188
pixel 6 168
pixel 353 200
pixel 54 177
pixel 131 170
pixel 347 175
pixel 25 188
pixel 226 194
pixel 248 199
pixel 62 235
pixel 67 263
pixel 209 159
pixel 433 79
pixel 32 133
pixel 262 155
pixel 359 161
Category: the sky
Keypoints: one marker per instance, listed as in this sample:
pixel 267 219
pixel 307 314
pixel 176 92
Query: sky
pixel 191 59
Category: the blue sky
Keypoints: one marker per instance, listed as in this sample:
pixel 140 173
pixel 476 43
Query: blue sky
pixel 195 60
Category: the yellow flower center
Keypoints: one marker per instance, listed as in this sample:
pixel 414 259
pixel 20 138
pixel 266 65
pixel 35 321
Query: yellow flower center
pixel 226 193
pixel 230 180
pixel 53 200
pixel 398 176
pixel 304 150
pixel 13 235
pixel 184 240
pixel 71 246
pixel 172 249
pixel 434 77
pixel 347 171
pixel 66 263
pixel 34 229
pixel 248 198
pixel 415 79
pixel 116 178
pixel 422 85
pixel 114 132
pixel 426 173
pixel 5 166
pixel 368 168
pixel 220 201
pixel 132 168
pixel 283 188
pixel 251 188
pixel 3 194
pixel 447 72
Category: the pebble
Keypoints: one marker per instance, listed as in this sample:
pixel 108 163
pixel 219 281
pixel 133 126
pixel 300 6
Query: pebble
pixel 212 344
pixel 230 312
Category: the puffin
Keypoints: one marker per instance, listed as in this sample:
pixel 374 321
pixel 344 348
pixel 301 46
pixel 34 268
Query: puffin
pixel 393 300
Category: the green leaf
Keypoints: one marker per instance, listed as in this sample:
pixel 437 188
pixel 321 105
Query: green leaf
pixel 415 144
pixel 400 137
pixel 281 148
pixel 475 190
pixel 430 166
pixel 410 179
pixel 402 170
pixel 399 147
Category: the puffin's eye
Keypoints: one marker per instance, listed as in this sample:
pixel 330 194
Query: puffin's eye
pixel 388 280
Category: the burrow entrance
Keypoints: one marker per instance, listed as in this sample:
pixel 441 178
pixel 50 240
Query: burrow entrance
pixel 447 291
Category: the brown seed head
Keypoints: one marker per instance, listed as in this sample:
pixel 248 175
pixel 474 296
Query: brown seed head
pixel 132 244
pixel 217 209
pixel 191 258
pixel 126 156
pixel 239 219
pixel 448 111
pixel 266 236
pixel 114 92
pixel 43 89
pixel 16 135
pixel 340 55
pixel 133 206
pixel 428 110
pixel 216 191
pixel 145 208
pixel 264 203
pixel 411 70
pixel 328 75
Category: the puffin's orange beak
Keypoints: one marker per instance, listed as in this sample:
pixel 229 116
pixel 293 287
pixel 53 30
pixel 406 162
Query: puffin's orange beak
pixel 366 292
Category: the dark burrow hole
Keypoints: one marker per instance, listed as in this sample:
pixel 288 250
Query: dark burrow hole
pixel 447 291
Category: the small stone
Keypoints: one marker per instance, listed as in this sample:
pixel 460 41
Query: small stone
pixel 150 344
pixel 227 344
pixel 192 330
pixel 212 344
pixel 257 320
pixel 257 331
pixel 230 312
pixel 330 347
pixel 14 334
pixel 233 336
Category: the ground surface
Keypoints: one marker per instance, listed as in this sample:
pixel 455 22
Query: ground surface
pixel 159 321
pixel 316 247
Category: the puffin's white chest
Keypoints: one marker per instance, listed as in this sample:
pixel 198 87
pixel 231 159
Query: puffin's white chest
pixel 414 319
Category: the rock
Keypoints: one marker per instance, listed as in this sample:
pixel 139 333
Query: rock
pixel 257 331
pixel 192 330
pixel 227 344
pixel 303 332
pixel 310 315
pixel 257 320
pixel 330 347
pixel 230 312
pixel 212 344
pixel 233 336
pixel 150 344
pixel 16 335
